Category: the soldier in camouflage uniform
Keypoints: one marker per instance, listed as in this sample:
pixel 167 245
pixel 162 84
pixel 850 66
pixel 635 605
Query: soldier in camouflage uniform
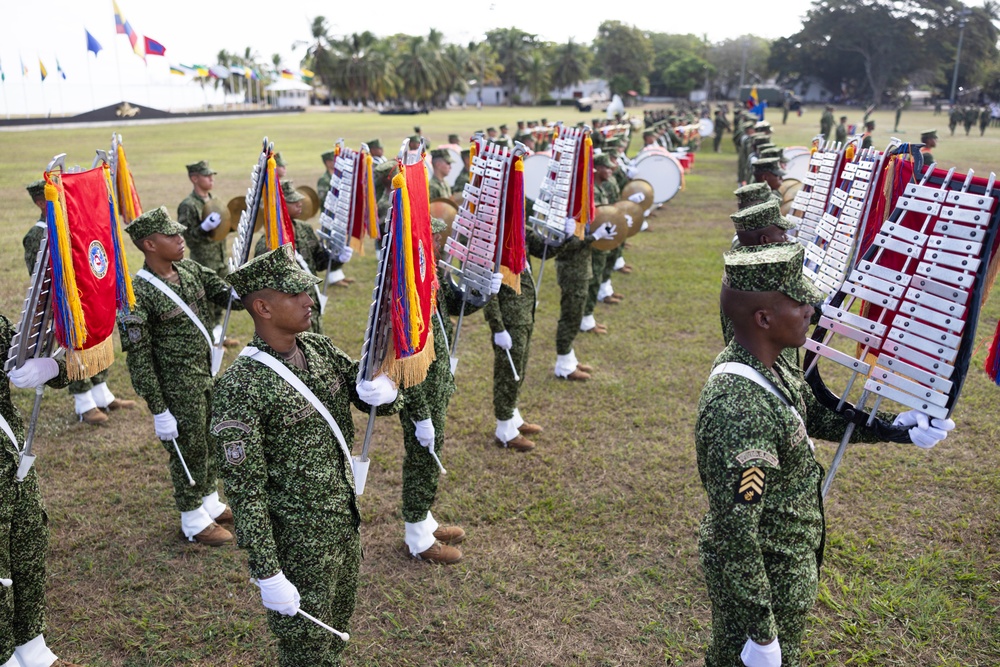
pixel 929 140
pixel 91 397
pixel 954 118
pixel 605 193
pixel 463 176
pixel 310 254
pixel 288 476
pixel 423 417
pixel 969 117
pixel 761 541
pixel 441 166
pixel 866 138
pixel 744 151
pixel 768 170
pixel 377 151
pixel 720 126
pixel 170 363
pixel 511 318
pixel 984 120
pixel 323 184
pixel 841 132
pixel 24 532
pixel 826 122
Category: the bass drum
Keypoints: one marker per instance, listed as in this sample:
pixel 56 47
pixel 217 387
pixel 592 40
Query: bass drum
pixel 706 127
pixel 663 172
pixel 797 158
pixel 536 168
pixel 788 189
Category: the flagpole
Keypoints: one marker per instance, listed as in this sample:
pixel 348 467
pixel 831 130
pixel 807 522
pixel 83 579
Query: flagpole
pixel 24 87
pixel 118 62
pixel 90 80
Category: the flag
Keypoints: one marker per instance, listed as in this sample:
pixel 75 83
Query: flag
pixel 307 74
pixel 59 69
pixel 174 69
pixel 287 74
pixel 200 70
pixel 92 44
pixel 754 96
pixel 41 66
pixel 123 27
pixel 278 226
pixel 251 74
pixel 24 70
pixel 512 253
pixel 412 279
pixel 153 47
pixel 3 77
pixel 238 70
pixel 90 277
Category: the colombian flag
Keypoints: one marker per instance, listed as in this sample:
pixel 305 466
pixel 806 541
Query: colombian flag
pixel 123 27
pixel 41 66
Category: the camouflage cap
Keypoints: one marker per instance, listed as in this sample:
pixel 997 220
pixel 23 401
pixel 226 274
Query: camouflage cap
pixel 759 216
pixel 416 128
pixel 36 189
pixel 869 125
pixel 765 146
pixel 503 128
pixel 928 134
pixel 649 132
pixel 157 221
pixel 603 160
pixel 291 194
pixel 441 154
pixel 453 139
pixel 760 139
pixel 275 270
pixel 752 194
pixel 438 225
pixel 524 136
pixel 773 151
pixel 771 164
pixel 278 160
pixel 374 143
pixel 385 169
pixel 771 268
pixel 491 129
pixel 329 155
pixel 763 125
pixel 201 168
pixel 414 138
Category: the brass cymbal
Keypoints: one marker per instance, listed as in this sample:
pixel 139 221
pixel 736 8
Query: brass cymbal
pixel 632 211
pixel 446 210
pixel 617 218
pixel 236 207
pixel 788 189
pixel 311 204
pixel 215 205
pixel 636 186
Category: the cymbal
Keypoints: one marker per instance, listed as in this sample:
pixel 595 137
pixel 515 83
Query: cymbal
pixel 236 207
pixel 632 212
pixel 445 209
pixel 636 186
pixel 617 218
pixel 311 204
pixel 215 205
pixel 788 189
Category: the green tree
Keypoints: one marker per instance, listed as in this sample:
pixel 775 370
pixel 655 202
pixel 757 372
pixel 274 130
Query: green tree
pixel 484 66
pixel 727 57
pixel 513 47
pixel 685 74
pixel 624 56
pixel 667 50
pixel 570 65
pixel 538 77
pixel 418 68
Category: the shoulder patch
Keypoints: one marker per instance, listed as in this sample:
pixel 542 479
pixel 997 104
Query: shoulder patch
pixel 230 423
pixel 751 454
pixel 235 453
pixel 750 488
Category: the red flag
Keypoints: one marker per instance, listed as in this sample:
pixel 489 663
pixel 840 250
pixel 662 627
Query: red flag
pixel 512 256
pixel 154 48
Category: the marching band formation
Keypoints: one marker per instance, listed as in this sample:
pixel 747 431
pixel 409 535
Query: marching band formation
pixel 454 228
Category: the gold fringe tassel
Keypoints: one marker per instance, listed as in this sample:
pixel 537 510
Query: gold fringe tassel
pixel 511 279
pixel 412 370
pixel 83 364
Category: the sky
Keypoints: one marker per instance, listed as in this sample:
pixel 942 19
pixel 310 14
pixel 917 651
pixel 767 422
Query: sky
pixel 194 31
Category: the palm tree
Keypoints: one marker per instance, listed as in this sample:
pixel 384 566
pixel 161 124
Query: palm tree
pixel 513 47
pixel 417 67
pixel 484 67
pixel 570 65
pixel 537 76
pixel 359 68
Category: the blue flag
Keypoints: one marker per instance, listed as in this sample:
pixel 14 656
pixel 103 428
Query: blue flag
pixel 92 44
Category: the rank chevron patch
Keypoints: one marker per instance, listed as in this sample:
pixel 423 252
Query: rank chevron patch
pixel 751 486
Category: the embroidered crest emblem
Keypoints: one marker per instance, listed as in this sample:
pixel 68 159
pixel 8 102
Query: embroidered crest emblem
pixel 98 259
pixel 750 488
pixel 235 454
pixel 423 260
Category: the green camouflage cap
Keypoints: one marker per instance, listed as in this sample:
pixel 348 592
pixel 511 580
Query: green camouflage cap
pixel 437 225
pixel 466 152
pixel 415 138
pixel 924 136
pixel 491 129
pixel 441 154
pixel 649 132
pixel 763 147
pixel 416 128
pixel 374 143
pixel 870 125
pixel 453 139
pixel 278 160
pixel 752 194
pixel 157 221
pixel 759 216
pixel 36 189
pixel 275 270
pixel 291 194
pixel 384 170
pixel 329 155
pixel 771 164
pixel 763 126
pixel 773 151
pixel 760 140
pixel 201 168
pixel 603 160
pixel 776 267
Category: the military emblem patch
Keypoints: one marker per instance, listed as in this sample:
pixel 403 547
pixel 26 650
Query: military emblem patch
pixel 423 260
pixel 235 454
pixel 98 259
pixel 750 488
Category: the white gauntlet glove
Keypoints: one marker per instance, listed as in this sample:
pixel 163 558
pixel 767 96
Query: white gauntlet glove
pixel 756 655
pixel 425 433
pixel 377 392
pixel 503 340
pixel 605 231
pixel 631 172
pixel 279 594
pixel 211 222
pixel 165 426
pixel 34 373
pixel 570 226
pixel 495 282
pixel 926 432
pixel 638 197
pixel 345 255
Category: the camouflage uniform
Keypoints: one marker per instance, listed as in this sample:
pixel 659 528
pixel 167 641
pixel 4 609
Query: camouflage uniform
pixel 202 248
pixel 439 189
pixel 969 117
pixel 826 122
pixel 574 270
pixel 291 488
pixel 602 261
pixel 323 185
pixel 463 178
pixel 761 541
pixel 24 532
pixel 170 366
pixel 841 133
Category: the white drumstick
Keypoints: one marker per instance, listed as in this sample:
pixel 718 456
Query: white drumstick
pixel 343 635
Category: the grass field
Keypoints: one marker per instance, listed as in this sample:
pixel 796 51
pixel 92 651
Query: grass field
pixel 582 552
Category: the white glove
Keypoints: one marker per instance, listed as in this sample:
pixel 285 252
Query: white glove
pixel 425 433
pixel 377 392
pixel 34 373
pixel 631 173
pixel 345 255
pixel 279 594
pixel 165 426
pixel 638 197
pixel 6 583
pixel 495 282
pixel 502 340
pixel 926 432
pixel 755 655
pixel 570 226
pixel 211 222
pixel 605 231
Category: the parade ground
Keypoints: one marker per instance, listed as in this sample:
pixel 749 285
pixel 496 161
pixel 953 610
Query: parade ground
pixel 581 552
